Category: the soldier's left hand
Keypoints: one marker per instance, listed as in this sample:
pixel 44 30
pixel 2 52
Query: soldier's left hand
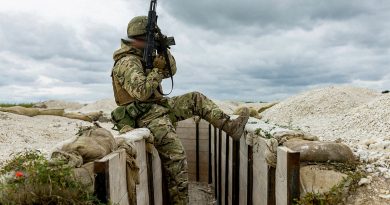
pixel 159 62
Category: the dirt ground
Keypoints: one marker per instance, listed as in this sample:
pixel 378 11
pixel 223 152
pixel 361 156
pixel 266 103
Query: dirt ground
pixel 358 117
pixel 201 194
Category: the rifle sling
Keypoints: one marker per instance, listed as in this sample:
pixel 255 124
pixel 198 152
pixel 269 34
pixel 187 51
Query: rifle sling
pixel 167 66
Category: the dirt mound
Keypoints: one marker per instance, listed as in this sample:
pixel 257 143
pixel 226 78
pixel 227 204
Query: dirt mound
pixel 105 105
pixel 357 116
pixel 372 118
pixel 323 101
pixel 59 104
pixel 227 106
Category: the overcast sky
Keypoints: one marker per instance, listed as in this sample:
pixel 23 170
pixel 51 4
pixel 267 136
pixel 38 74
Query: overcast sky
pixel 252 50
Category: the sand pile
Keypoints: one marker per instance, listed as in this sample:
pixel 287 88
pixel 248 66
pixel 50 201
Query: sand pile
pixel 105 105
pixel 357 116
pixel 18 132
pixel 324 101
pixel 227 106
pixel 59 104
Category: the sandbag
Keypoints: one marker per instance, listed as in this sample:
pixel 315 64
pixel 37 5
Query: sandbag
pixel 252 112
pixel 90 117
pixel 317 151
pixel 316 179
pixel 265 107
pixel 55 112
pixel 91 143
pixel 31 112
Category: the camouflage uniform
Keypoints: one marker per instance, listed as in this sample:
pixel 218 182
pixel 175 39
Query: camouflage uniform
pixel 141 105
pixel 159 115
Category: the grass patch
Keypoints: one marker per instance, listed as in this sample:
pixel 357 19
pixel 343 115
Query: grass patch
pixel 263 133
pixel 338 193
pixel 27 105
pixel 29 178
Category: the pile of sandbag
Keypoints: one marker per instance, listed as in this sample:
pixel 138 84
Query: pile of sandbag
pixel 266 137
pixel 92 143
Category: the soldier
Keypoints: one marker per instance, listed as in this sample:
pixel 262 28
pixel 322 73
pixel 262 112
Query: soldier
pixel 141 104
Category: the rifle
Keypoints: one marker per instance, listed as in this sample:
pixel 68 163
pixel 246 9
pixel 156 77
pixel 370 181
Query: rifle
pixel 156 41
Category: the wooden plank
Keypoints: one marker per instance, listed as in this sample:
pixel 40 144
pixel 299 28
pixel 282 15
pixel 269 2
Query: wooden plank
pixel 231 189
pixel 192 177
pixel 197 151
pixel 219 192
pixel 186 123
pixel 113 166
pixel 189 145
pixel 203 157
pixel 203 124
pixel 191 123
pixel 227 169
pixel 190 133
pixel 203 175
pixel 210 176
pixel 223 169
pixel 287 176
pixel 260 174
pixel 243 171
pixel 142 187
pixel 215 167
pixel 157 178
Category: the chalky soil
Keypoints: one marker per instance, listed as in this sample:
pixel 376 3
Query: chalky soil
pixel 201 193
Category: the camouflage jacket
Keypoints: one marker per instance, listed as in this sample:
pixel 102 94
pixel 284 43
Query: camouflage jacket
pixel 130 82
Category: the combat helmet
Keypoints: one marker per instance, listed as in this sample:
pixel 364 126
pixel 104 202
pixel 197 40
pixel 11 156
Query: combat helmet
pixel 137 26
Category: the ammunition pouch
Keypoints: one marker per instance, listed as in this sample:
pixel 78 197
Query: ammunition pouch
pixel 128 114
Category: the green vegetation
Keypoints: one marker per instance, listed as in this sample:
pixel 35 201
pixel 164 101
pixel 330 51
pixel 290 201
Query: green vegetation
pixel 29 178
pixel 263 133
pixel 27 105
pixel 338 193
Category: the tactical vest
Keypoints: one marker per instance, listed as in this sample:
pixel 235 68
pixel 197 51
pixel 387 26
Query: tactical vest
pixel 122 97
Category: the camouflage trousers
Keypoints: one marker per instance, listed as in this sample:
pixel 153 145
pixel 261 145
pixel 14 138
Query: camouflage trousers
pixel 160 119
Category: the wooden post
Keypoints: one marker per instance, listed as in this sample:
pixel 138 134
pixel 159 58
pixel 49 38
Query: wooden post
pixel 244 167
pixel 158 177
pixel 215 163
pixel 111 178
pixel 262 175
pixel 142 187
pixel 219 194
pixel 287 176
pixel 227 169
pixel 210 176
pixel 197 150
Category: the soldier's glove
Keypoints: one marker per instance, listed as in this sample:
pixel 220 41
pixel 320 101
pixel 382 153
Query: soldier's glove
pixel 159 62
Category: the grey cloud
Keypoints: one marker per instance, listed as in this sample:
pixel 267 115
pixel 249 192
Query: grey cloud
pixel 65 55
pixel 44 40
pixel 242 50
pixel 232 14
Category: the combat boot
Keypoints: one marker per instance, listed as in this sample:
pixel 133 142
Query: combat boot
pixel 235 128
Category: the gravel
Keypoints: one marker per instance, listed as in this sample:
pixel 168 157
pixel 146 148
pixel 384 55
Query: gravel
pixel 359 117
